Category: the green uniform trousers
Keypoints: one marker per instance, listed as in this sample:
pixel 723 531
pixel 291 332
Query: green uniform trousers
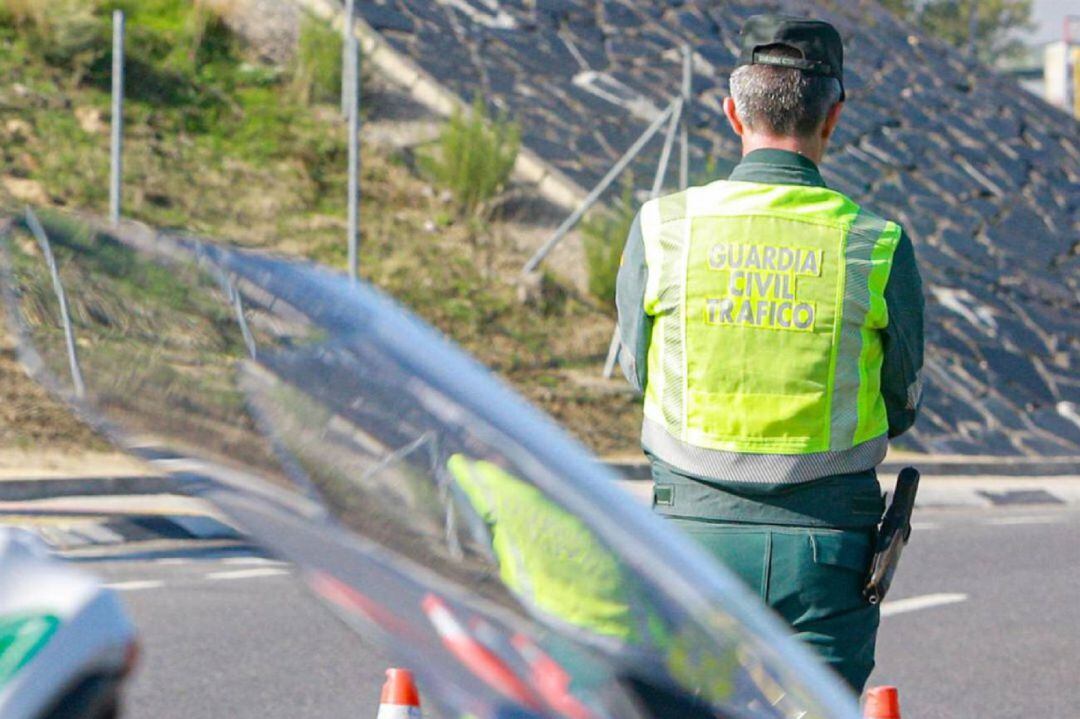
pixel 812 577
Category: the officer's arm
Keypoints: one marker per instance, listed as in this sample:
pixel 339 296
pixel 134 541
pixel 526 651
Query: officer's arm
pixel 901 373
pixel 635 326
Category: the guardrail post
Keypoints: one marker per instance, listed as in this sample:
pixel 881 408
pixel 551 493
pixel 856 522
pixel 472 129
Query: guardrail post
pixel 354 162
pixel 348 84
pixel 117 146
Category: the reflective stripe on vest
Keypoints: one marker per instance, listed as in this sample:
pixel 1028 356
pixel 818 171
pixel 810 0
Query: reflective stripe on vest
pixel 766 352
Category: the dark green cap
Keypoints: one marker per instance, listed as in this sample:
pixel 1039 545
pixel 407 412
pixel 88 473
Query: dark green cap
pixel 818 43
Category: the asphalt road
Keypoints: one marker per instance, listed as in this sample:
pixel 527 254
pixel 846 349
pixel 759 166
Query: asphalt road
pixel 1012 648
pixel 982 622
pixel 233 634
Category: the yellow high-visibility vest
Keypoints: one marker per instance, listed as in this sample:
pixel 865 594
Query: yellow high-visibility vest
pixel 765 358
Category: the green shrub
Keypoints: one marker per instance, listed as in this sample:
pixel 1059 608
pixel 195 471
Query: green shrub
pixel 604 235
pixel 317 66
pixel 474 157
pixel 209 37
pixel 170 45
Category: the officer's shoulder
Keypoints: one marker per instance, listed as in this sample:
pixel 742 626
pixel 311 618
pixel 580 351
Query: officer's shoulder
pixel 667 208
pixel 871 218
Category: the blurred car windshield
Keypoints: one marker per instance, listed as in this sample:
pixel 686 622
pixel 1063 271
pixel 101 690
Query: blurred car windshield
pixel 425 502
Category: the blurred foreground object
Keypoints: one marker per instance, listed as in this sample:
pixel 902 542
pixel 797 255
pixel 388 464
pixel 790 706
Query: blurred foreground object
pixel 66 644
pixel 400 699
pixel 882 703
pixel 425 503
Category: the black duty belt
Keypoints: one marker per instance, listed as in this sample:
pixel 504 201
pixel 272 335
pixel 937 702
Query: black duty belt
pixel 838 502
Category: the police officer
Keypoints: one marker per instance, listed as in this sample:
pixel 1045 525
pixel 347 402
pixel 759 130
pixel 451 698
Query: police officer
pixel 775 328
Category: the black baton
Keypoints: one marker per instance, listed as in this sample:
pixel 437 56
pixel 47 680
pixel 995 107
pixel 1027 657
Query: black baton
pixel 894 534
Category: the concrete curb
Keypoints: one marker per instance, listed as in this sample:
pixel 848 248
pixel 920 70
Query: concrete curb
pixel 82 521
pixel 20 490
pixel 63 533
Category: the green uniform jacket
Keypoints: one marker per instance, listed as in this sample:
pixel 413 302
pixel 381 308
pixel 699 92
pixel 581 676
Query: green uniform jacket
pixel 847 501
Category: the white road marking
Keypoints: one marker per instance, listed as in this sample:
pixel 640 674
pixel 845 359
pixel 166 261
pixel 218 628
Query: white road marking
pixel 136 585
pixel 1044 519
pixel 914 604
pixel 247 573
pixel 922 526
pixel 172 561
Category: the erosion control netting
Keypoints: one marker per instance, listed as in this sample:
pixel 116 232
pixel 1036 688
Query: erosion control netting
pixel 984 176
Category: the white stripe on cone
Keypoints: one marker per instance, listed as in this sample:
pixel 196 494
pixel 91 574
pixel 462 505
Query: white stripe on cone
pixel 398 711
pixel 446 624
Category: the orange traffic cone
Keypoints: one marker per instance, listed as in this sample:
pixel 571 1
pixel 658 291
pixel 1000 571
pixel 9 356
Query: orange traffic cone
pixel 400 700
pixel 882 703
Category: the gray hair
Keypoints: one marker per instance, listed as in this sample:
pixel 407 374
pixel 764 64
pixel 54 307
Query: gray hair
pixel 782 100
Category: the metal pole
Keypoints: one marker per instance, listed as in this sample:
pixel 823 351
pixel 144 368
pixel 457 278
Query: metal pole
pixel 665 154
pixel 973 28
pixel 354 170
pixel 65 319
pixel 116 164
pixel 238 307
pixel 615 347
pixel 348 57
pixel 597 191
pixel 684 134
pixel 613 350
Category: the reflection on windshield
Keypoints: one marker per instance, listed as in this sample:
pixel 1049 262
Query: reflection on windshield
pixel 547 557
pixel 150 336
pixel 425 503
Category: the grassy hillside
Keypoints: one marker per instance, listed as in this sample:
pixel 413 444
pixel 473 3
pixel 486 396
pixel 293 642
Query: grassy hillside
pixel 246 152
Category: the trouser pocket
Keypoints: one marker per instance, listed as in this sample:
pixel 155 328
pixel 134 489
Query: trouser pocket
pixel 742 549
pixel 816 584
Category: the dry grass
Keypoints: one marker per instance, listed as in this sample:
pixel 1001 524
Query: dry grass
pixel 48 19
pixel 25 14
pixel 29 418
pixel 317 64
pixel 237 157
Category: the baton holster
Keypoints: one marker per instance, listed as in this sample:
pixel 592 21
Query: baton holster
pixel 892 536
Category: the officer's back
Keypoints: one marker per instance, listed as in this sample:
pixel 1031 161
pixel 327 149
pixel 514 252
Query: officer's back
pixel 775 328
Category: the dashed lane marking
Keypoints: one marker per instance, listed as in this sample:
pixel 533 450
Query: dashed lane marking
pixel 136 585
pixel 914 604
pixel 923 526
pixel 247 573
pixel 1042 519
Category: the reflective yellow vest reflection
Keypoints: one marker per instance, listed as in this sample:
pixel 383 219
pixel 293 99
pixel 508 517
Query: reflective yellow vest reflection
pixel 547 556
